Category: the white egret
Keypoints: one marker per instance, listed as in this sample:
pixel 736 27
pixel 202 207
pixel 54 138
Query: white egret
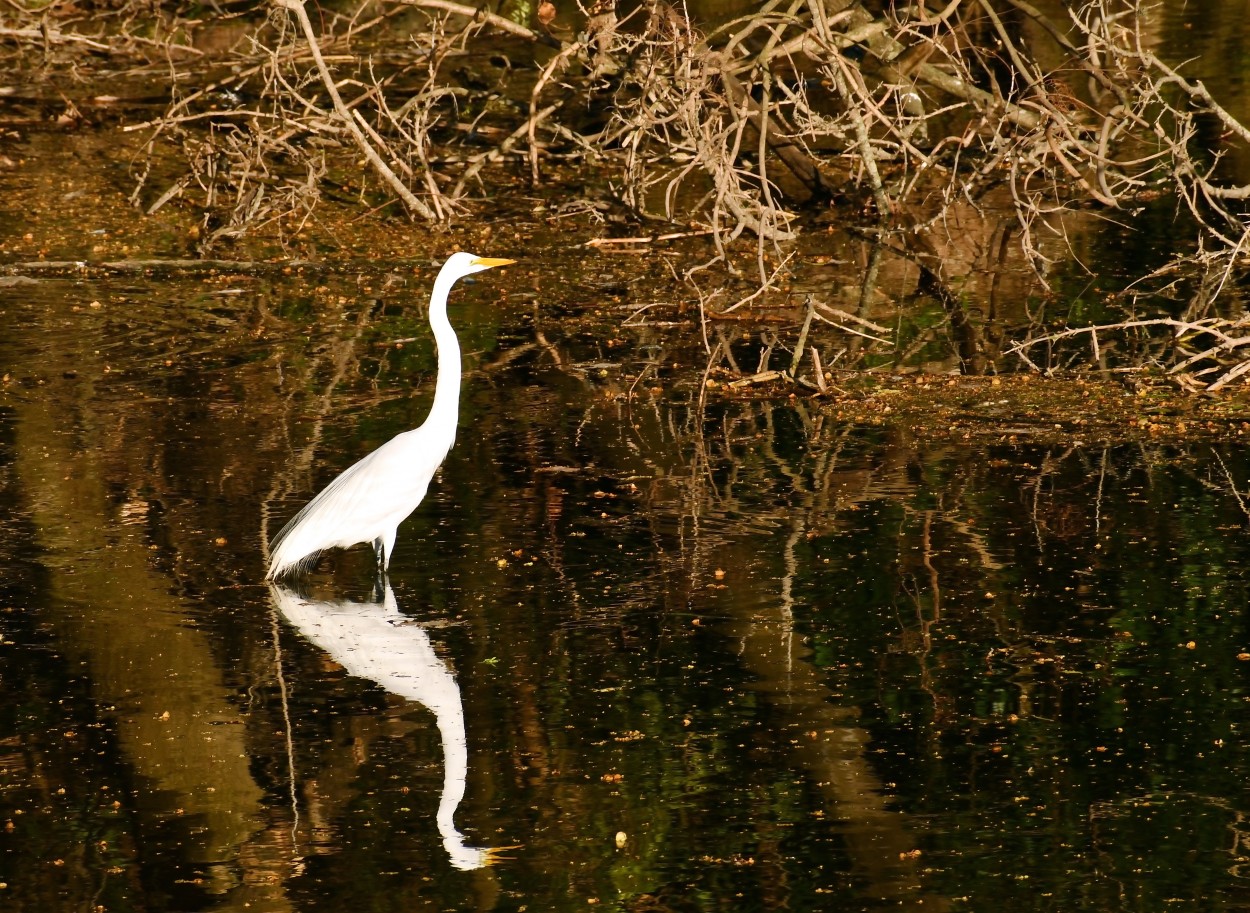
pixel 369 499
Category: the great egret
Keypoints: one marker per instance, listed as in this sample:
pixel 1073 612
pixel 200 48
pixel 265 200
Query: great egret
pixel 369 499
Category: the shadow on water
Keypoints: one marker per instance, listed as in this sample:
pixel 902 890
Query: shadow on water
pixel 674 654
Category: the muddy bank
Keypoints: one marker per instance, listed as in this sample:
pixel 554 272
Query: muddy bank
pixel 1060 411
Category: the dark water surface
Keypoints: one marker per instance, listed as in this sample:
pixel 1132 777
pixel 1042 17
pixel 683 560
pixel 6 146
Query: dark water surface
pixel 638 655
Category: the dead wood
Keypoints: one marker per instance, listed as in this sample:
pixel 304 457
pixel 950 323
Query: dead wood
pixel 899 116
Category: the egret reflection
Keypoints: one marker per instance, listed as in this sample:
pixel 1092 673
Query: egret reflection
pixel 374 640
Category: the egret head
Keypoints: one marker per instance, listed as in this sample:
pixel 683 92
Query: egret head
pixel 465 264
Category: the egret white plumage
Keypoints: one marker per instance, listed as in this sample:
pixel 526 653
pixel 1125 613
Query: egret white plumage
pixel 367 502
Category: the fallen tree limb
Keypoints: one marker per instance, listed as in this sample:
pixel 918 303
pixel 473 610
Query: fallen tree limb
pixel 481 15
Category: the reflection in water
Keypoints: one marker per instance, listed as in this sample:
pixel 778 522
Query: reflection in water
pixel 717 655
pixel 375 641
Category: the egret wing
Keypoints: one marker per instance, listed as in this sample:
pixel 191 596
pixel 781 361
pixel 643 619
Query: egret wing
pixel 366 501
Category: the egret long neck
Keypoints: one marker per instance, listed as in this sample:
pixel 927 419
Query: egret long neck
pixel 447 390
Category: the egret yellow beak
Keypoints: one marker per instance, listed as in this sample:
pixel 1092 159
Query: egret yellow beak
pixel 491 261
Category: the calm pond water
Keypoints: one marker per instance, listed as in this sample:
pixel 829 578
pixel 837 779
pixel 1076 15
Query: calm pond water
pixel 648 654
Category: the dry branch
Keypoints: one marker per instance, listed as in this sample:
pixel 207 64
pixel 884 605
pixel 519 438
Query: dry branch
pixel 1218 329
pixel 904 118
pixel 478 15
pixel 296 8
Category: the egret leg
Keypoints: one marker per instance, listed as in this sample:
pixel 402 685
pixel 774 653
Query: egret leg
pixel 380 557
pixel 388 548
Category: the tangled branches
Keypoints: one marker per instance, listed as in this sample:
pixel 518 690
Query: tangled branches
pixel 909 120
pixel 746 126
pixel 922 110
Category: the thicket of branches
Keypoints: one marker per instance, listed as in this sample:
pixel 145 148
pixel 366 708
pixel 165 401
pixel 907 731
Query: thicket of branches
pixel 896 114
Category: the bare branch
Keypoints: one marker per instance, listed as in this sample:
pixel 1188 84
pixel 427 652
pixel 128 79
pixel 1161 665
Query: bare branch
pixel 296 8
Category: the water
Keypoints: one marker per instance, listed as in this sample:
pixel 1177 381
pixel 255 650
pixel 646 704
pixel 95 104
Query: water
pixel 660 653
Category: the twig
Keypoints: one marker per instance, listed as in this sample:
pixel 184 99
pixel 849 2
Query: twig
pixel 647 239
pixel 820 371
pixel 1241 502
pixel 1198 92
pixel 1181 326
pixel 798 349
pixel 138 266
pixel 838 72
pixel 801 165
pixel 54 37
pixel 1213 327
pixel 847 315
pixel 557 62
pixel 767 284
pixel 478 15
pixel 853 331
pixel 1229 376
pixel 761 378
